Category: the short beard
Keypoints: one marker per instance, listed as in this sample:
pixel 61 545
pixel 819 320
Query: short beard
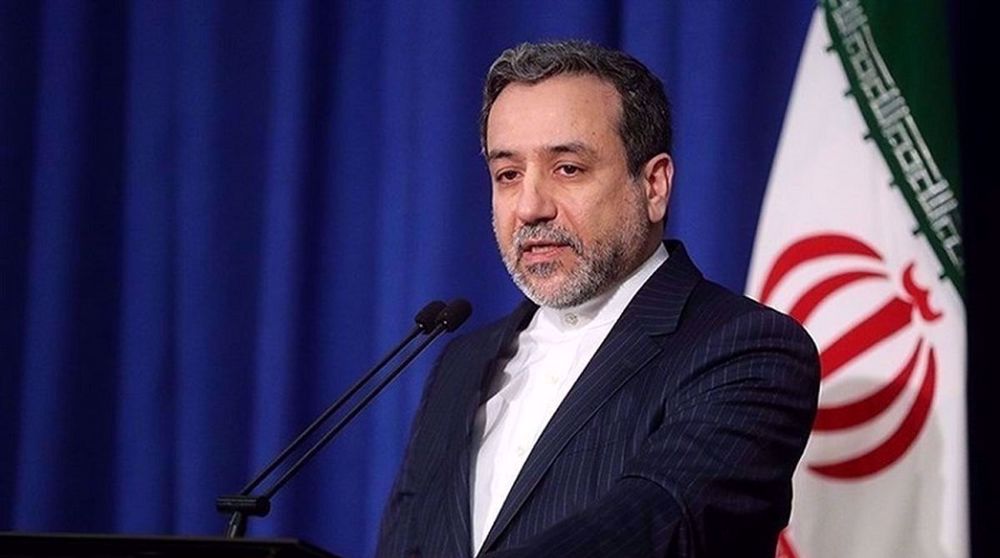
pixel 600 266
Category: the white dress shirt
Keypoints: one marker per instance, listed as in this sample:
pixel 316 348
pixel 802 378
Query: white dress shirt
pixel 552 352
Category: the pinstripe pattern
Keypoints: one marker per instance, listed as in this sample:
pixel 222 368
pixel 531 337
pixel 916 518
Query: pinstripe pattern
pixel 679 438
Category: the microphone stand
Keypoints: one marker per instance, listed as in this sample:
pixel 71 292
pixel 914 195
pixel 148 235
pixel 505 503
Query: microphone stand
pixel 434 319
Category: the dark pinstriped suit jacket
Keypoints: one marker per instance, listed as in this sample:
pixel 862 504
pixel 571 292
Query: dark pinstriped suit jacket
pixel 679 438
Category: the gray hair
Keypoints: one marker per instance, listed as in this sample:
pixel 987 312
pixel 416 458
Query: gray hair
pixel 645 126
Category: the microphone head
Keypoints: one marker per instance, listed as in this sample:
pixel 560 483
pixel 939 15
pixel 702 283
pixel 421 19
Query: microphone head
pixel 427 317
pixel 454 314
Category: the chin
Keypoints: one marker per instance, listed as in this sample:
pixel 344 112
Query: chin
pixel 547 289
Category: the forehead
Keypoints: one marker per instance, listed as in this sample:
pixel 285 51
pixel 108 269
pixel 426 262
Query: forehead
pixel 561 109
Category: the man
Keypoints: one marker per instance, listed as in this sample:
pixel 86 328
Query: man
pixel 630 408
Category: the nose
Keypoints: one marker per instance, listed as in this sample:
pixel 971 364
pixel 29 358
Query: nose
pixel 534 202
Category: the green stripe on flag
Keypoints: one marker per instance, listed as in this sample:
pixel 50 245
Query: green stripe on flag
pixel 895 55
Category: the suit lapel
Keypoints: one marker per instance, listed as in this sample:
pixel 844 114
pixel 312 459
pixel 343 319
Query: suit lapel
pixel 630 345
pixel 456 495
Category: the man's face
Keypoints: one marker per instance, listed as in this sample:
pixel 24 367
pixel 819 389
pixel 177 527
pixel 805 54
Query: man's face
pixel 568 218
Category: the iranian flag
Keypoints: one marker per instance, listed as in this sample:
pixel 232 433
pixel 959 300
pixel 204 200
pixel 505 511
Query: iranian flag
pixel 860 241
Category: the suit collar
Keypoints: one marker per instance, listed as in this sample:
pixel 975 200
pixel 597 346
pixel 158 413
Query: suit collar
pixel 658 305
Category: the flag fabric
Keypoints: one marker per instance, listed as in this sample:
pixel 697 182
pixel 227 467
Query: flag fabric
pixel 859 240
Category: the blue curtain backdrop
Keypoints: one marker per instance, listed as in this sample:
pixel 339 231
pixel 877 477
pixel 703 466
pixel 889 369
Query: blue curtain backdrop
pixel 215 215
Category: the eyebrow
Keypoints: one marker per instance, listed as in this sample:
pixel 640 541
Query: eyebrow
pixel 495 154
pixel 575 147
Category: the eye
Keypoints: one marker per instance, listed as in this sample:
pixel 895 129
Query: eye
pixel 569 169
pixel 508 175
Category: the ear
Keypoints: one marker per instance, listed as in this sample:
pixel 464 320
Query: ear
pixel 657 182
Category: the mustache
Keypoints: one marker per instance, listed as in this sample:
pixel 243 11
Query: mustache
pixel 546 232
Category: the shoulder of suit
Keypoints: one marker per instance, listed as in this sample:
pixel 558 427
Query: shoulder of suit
pixel 710 301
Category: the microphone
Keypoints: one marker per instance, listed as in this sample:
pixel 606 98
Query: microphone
pixel 432 320
pixel 427 317
pixel 454 314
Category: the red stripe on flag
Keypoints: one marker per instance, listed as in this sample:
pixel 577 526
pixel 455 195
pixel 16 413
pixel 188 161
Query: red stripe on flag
pixel 810 249
pixel 896 445
pixel 808 302
pixel 890 318
pixel 864 409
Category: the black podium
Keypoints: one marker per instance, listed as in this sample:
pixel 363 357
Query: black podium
pixel 66 545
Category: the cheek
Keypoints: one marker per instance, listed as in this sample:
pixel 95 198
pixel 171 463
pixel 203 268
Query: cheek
pixel 503 212
pixel 597 221
pixel 502 226
pixel 582 219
